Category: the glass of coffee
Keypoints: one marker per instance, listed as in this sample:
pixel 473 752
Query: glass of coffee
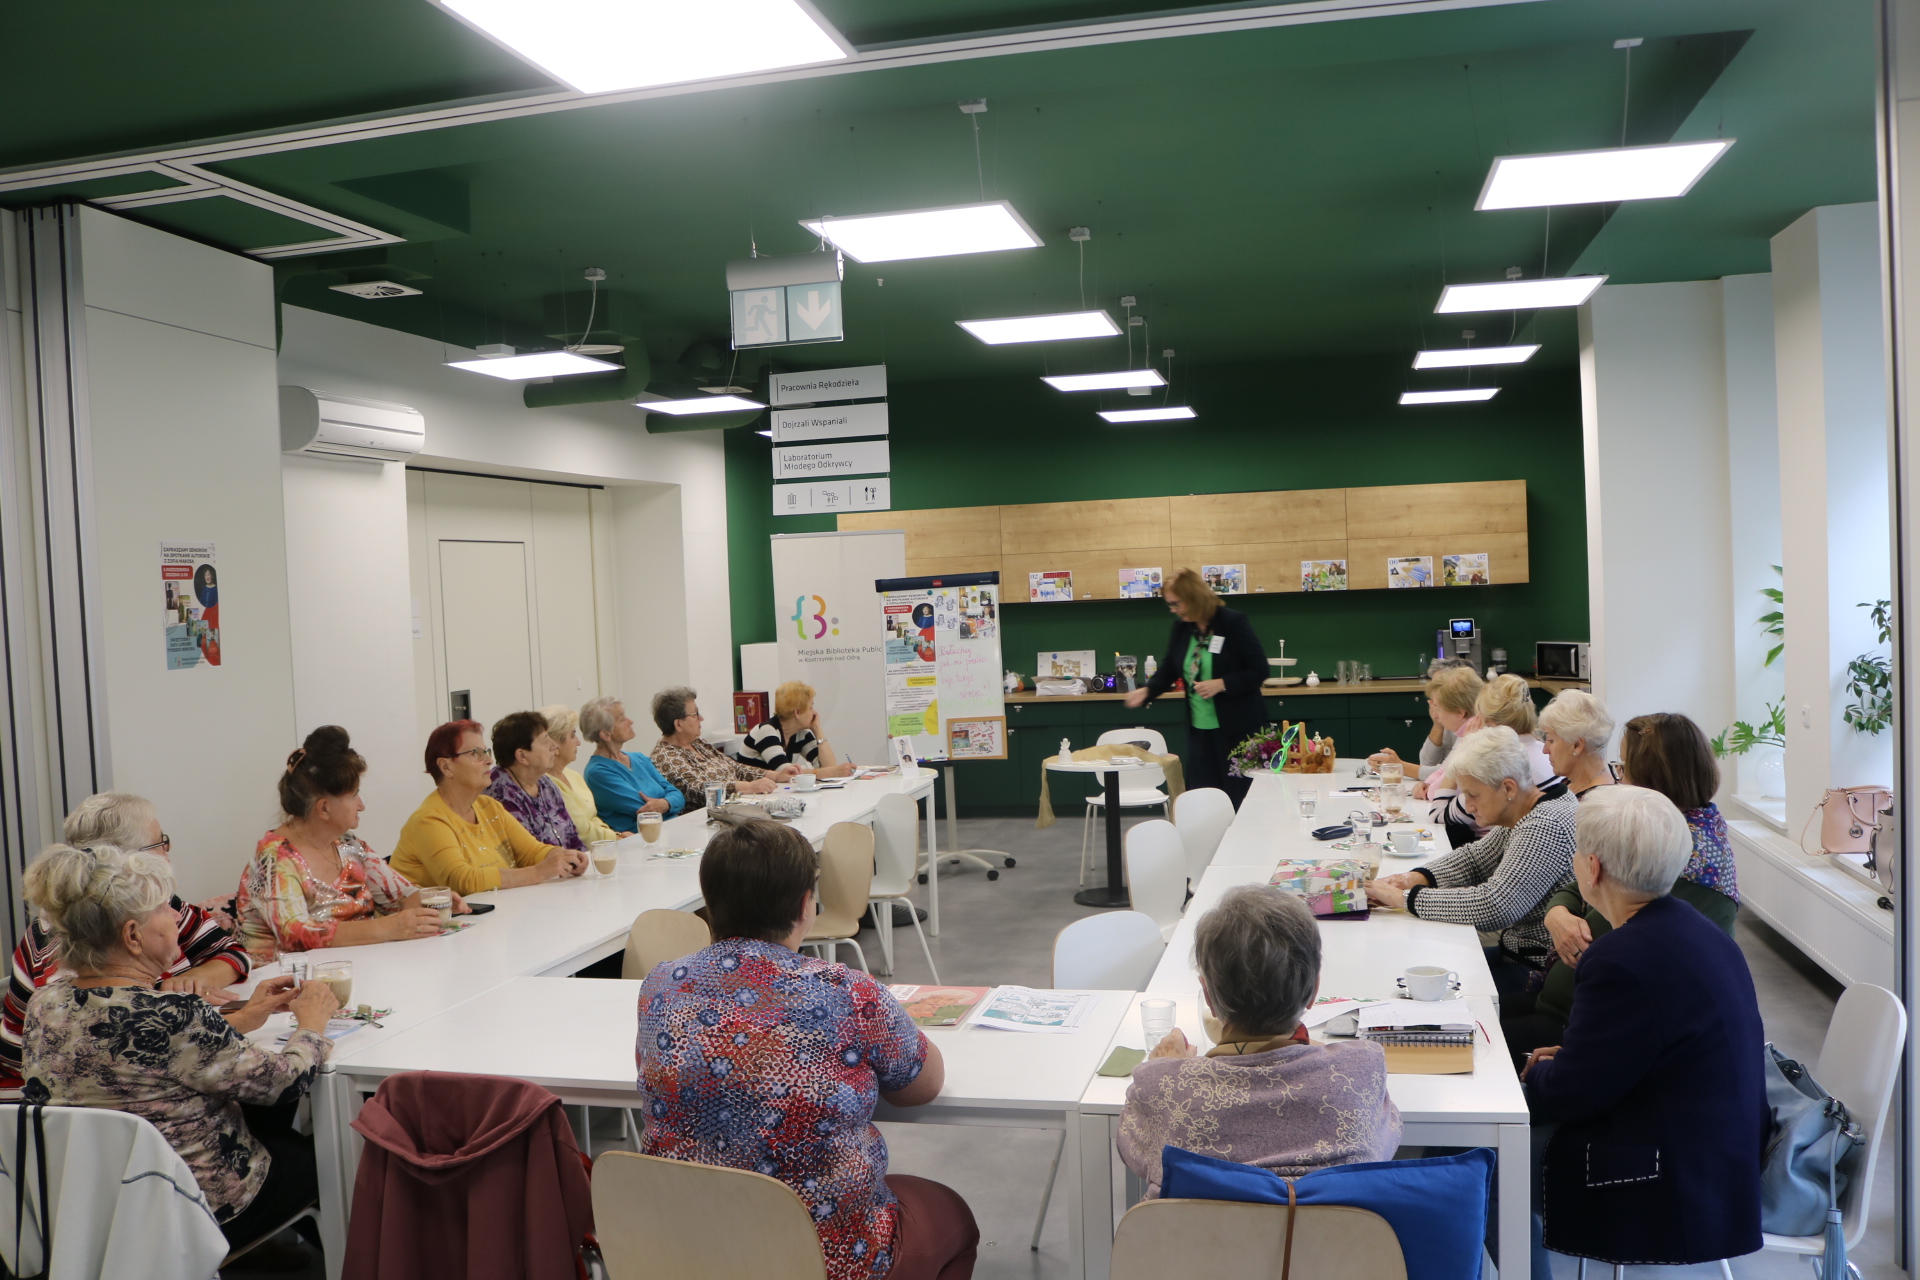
pixel 650 827
pixel 606 856
pixel 337 974
pixel 440 900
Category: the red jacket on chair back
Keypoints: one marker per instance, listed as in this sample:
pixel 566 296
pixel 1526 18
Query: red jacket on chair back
pixel 466 1178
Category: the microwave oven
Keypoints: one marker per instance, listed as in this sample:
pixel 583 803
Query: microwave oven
pixel 1562 660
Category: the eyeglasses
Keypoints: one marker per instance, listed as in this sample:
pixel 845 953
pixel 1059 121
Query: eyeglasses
pixel 164 844
pixel 479 753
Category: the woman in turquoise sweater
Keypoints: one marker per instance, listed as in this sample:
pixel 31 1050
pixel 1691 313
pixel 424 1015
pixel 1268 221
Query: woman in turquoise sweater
pixel 624 786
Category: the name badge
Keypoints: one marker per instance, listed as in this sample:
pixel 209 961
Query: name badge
pixel 1216 644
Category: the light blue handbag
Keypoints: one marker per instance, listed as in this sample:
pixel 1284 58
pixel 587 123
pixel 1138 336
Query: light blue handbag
pixel 1813 1152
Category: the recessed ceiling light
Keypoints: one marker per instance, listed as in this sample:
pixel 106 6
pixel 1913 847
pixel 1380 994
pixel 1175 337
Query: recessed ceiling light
pixel 1449 397
pixel 699 404
pixel 1073 324
pixel 1147 415
pixel 1456 357
pixel 1598 177
pixel 1519 295
pixel 1140 378
pixel 598 46
pixel 927 233
pixel 535 364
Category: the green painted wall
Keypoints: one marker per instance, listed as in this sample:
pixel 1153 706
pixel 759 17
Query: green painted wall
pixel 1283 426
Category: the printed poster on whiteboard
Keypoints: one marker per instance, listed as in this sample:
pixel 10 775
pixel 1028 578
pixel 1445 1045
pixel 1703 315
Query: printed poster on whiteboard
pixel 192 590
pixel 943 669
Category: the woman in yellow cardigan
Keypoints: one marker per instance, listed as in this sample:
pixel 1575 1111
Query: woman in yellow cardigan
pixel 465 840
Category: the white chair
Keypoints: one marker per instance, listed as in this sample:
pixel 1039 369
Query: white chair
pixel 1139 788
pixel 1113 951
pixel 1859 1064
pixel 1203 816
pixel 1157 873
pixel 896 853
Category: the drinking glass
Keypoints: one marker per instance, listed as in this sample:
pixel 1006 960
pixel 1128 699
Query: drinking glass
pixel 1391 771
pixel 650 827
pixel 606 856
pixel 1366 670
pixel 1393 797
pixel 1346 672
pixel 1362 823
pixel 1156 1019
pixel 1309 801
pixel 1421 662
pixel 338 974
pixel 716 794
pixel 440 900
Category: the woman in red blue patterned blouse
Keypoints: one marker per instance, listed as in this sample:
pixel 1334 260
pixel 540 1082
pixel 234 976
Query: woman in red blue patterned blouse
pixel 755 1057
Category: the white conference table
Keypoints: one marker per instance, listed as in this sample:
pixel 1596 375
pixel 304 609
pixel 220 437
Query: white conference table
pixel 1359 958
pixel 549 930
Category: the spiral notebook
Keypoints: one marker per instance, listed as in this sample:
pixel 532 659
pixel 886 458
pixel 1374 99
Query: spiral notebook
pixel 1418 1022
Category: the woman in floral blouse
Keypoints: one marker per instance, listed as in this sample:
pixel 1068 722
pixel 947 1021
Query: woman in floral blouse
pixel 690 762
pixel 104 1035
pixel 311 883
pixel 523 752
pixel 754 1057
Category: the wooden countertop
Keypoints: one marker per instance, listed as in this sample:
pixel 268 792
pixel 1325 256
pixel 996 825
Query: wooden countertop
pixel 1302 691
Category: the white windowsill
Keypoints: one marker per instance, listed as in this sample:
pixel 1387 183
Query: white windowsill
pixel 1772 812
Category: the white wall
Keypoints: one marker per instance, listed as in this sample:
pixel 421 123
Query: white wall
pixel 1655 415
pixel 186 445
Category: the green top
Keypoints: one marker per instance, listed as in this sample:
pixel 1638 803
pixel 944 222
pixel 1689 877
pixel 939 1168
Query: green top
pixel 1556 995
pixel 1198 667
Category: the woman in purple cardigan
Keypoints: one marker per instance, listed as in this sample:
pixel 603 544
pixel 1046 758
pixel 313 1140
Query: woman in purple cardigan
pixel 1262 1095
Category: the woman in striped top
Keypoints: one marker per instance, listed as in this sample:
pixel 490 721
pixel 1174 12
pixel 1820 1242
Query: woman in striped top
pixel 793 736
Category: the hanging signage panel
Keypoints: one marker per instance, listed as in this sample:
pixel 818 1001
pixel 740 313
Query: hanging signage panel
pixel 836 423
pixel 823 461
pixel 860 382
pixel 875 494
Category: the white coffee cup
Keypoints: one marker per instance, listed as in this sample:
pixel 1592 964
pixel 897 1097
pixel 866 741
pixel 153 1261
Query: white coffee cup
pixel 1429 982
pixel 1406 842
pixel 805 782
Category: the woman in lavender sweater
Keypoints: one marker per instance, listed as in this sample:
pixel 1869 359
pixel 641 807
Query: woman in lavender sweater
pixel 1263 1095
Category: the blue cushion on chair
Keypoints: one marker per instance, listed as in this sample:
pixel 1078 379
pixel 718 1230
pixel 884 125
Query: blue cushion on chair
pixel 1438 1206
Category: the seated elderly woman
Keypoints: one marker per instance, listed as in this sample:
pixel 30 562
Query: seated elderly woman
pixel 691 763
pixel 211 957
pixel 1502 880
pixel 105 1035
pixel 1452 688
pixel 1575 729
pixel 1656 1088
pixel 1669 754
pixel 562 727
pixel 624 786
pixel 461 837
pixel 311 881
pixel 793 736
pixel 1263 1095
pixel 523 753
pixel 755 1057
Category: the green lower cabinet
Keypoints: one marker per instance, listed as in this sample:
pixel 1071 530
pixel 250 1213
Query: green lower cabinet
pixel 1374 733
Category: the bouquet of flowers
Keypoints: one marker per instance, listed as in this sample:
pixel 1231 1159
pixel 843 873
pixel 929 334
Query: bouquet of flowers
pixel 1265 752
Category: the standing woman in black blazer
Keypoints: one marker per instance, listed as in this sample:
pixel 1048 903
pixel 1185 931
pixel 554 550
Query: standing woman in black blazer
pixel 1215 650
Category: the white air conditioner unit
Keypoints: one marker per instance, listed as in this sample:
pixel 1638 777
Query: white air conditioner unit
pixel 320 422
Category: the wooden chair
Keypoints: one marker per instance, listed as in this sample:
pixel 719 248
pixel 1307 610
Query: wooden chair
pixel 1159 1238
pixel 660 936
pixel 846 881
pixel 656 1217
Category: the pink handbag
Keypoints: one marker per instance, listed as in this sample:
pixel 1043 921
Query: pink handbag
pixel 1849 818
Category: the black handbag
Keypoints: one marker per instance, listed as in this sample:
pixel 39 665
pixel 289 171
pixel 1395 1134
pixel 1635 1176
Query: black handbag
pixel 41 1213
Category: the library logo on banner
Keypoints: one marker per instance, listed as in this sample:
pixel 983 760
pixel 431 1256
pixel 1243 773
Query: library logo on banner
pixel 802 619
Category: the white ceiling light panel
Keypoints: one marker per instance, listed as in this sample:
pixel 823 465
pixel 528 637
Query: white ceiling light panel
pixel 927 233
pixel 1106 381
pixel 1148 415
pixel 1054 328
pixel 1464 357
pixel 1519 295
pixel 536 364
pixel 1449 397
pixel 600 46
pixel 699 404
pixel 1598 177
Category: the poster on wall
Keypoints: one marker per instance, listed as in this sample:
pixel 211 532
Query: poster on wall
pixel 1225 579
pixel 1409 571
pixel 829 636
pixel 1139 584
pixel 1323 575
pixel 192 588
pixel 943 664
pixel 1064 663
pixel 1465 571
pixel 1050 586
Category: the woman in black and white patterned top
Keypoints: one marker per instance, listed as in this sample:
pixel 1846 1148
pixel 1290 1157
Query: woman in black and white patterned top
pixel 1501 881
pixel 793 736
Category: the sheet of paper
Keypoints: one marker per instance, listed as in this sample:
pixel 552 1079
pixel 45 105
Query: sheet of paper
pixel 336 1028
pixel 1321 1014
pixel 1025 1009
pixel 1450 1015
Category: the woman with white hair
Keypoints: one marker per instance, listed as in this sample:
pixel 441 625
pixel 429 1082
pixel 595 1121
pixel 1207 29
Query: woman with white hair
pixel 563 728
pixel 211 958
pixel 1575 728
pixel 106 1036
pixel 1501 881
pixel 624 784
pixel 1656 1089
pixel 1263 1095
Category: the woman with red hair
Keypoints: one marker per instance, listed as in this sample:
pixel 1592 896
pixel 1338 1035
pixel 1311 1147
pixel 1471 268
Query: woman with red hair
pixel 464 839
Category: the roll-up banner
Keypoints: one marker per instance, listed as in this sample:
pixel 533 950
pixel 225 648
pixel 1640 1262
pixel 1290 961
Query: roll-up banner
pixel 943 672
pixel 830 635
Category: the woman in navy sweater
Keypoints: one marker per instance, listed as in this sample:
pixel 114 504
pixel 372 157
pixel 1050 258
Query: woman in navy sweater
pixel 1656 1087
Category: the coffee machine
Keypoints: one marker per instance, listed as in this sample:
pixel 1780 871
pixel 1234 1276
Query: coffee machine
pixel 1461 639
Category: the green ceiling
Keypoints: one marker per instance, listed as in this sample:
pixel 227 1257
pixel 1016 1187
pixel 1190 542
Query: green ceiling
pixel 1276 194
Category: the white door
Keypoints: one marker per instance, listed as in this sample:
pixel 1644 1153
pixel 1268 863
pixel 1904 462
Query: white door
pixel 484 617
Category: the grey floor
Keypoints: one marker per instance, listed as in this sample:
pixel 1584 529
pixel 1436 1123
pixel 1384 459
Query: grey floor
pixel 1002 931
